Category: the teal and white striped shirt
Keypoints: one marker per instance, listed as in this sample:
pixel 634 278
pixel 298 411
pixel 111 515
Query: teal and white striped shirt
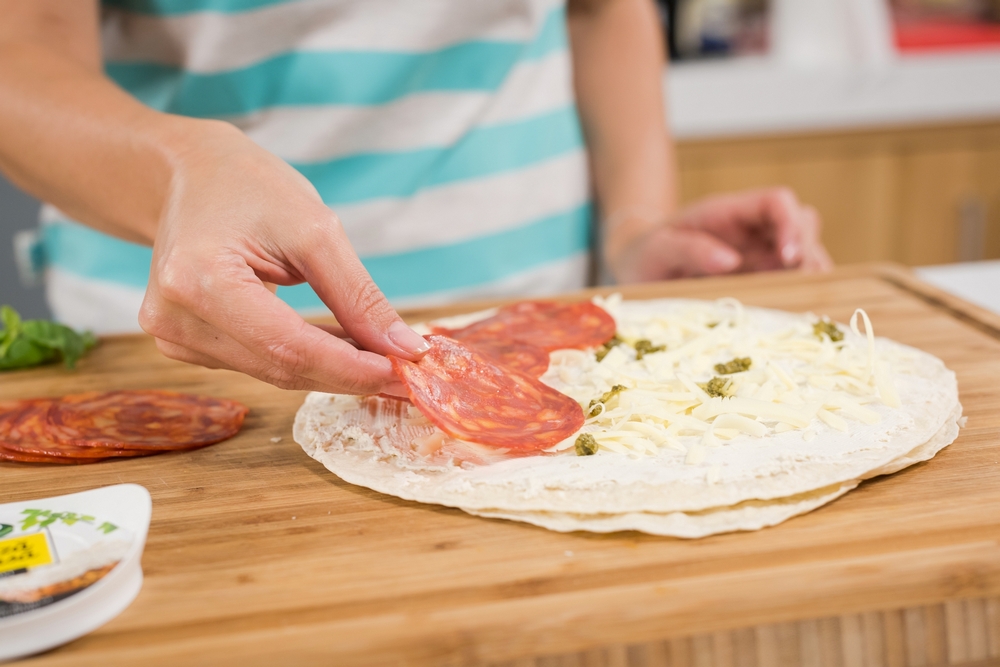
pixel 444 134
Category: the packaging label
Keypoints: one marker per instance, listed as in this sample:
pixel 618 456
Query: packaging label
pixel 68 564
pixel 48 553
pixel 22 553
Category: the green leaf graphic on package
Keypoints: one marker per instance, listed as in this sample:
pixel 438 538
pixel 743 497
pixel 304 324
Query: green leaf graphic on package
pixel 26 343
pixel 45 518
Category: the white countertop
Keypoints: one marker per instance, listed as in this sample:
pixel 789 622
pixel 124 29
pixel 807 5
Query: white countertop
pixel 832 64
pixel 764 96
pixel 976 282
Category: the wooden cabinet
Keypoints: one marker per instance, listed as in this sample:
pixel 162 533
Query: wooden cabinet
pixel 916 195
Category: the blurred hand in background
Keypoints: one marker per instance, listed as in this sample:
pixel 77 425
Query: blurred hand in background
pixel 758 230
pixel 618 64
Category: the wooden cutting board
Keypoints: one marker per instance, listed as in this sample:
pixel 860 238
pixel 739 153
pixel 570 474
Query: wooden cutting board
pixel 258 555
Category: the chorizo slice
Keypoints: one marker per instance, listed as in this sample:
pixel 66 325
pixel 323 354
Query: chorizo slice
pixel 144 420
pixel 469 396
pixel 547 324
pixel 523 357
pixel 24 436
pixel 20 457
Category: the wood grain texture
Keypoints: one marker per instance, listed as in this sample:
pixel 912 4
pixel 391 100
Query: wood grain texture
pixel 872 639
pixel 884 193
pixel 258 555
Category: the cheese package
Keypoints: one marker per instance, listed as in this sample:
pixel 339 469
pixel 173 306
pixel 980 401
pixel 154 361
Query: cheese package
pixel 68 565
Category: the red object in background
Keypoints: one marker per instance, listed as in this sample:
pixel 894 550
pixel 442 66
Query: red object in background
pixel 946 35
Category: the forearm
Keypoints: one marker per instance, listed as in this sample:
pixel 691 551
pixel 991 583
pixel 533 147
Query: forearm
pixel 73 138
pixel 618 60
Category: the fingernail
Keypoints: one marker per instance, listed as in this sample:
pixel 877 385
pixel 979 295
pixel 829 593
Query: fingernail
pixel 790 254
pixel 407 339
pixel 395 389
pixel 726 261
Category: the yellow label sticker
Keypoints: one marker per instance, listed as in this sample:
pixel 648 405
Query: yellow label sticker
pixel 22 552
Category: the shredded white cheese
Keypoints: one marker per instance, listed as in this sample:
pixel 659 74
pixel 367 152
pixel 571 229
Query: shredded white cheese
pixel 869 334
pixel 797 380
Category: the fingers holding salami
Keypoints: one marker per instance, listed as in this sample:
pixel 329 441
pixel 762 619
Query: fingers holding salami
pixel 479 383
pixel 469 396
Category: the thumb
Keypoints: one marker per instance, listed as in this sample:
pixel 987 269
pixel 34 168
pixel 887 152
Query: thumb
pixel 334 271
pixel 671 252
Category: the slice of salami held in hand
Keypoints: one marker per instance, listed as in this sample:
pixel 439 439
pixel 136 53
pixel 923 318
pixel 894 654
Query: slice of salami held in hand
pixel 143 420
pixel 469 396
pixel 546 324
pixel 523 357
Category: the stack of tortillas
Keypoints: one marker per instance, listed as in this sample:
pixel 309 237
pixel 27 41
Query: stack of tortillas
pixel 708 417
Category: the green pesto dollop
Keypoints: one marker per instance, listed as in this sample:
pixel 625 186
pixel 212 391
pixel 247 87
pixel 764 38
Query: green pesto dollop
pixel 830 329
pixel 716 387
pixel 602 351
pixel 644 347
pixel 586 445
pixel 592 409
pixel 737 365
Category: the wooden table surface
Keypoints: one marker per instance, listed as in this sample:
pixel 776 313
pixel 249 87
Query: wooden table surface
pixel 258 555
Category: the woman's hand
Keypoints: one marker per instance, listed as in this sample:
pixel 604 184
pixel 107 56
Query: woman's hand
pixel 760 230
pixel 237 221
pixel 227 219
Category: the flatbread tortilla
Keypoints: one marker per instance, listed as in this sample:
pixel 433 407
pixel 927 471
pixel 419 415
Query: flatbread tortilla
pixel 689 489
pixel 748 515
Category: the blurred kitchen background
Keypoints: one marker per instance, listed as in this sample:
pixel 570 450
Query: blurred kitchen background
pixel 883 114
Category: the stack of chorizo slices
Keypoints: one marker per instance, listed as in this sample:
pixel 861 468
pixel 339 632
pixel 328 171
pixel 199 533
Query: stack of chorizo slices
pixel 96 426
pixel 480 383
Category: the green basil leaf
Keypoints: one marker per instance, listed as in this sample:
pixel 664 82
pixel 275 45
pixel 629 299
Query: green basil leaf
pixel 33 342
pixel 25 353
pixel 67 342
pixel 10 318
pixel 11 328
